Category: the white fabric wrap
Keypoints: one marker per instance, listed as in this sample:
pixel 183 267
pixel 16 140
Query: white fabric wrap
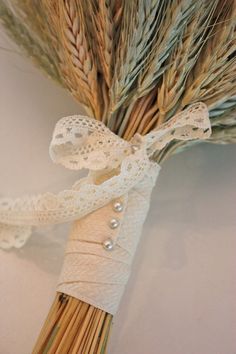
pixel 118 171
pixel 90 272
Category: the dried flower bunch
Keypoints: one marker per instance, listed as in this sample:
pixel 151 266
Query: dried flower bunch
pixel 132 65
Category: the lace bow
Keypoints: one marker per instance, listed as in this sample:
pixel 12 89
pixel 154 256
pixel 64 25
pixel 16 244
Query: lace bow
pixel 81 142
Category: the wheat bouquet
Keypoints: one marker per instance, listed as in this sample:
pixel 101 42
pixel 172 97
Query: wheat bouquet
pixel 153 76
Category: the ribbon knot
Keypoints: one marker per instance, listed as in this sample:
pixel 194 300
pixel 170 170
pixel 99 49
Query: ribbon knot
pixel 81 142
pixel 115 166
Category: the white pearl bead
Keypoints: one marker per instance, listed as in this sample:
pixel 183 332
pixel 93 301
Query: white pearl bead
pixel 108 245
pixel 134 148
pixel 114 223
pixel 118 207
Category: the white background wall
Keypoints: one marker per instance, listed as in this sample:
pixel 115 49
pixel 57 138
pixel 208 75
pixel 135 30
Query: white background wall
pixel 181 296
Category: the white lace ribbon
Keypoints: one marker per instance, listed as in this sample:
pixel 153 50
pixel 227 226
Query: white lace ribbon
pixel 81 142
pixel 109 206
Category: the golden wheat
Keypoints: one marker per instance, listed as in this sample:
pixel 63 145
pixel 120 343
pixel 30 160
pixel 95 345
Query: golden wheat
pixel 132 64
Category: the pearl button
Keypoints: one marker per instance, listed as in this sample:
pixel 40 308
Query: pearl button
pixel 114 223
pixel 134 148
pixel 118 207
pixel 108 245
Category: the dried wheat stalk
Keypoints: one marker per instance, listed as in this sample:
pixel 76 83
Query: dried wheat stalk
pixel 74 327
pixel 30 42
pixel 209 76
pixel 77 55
